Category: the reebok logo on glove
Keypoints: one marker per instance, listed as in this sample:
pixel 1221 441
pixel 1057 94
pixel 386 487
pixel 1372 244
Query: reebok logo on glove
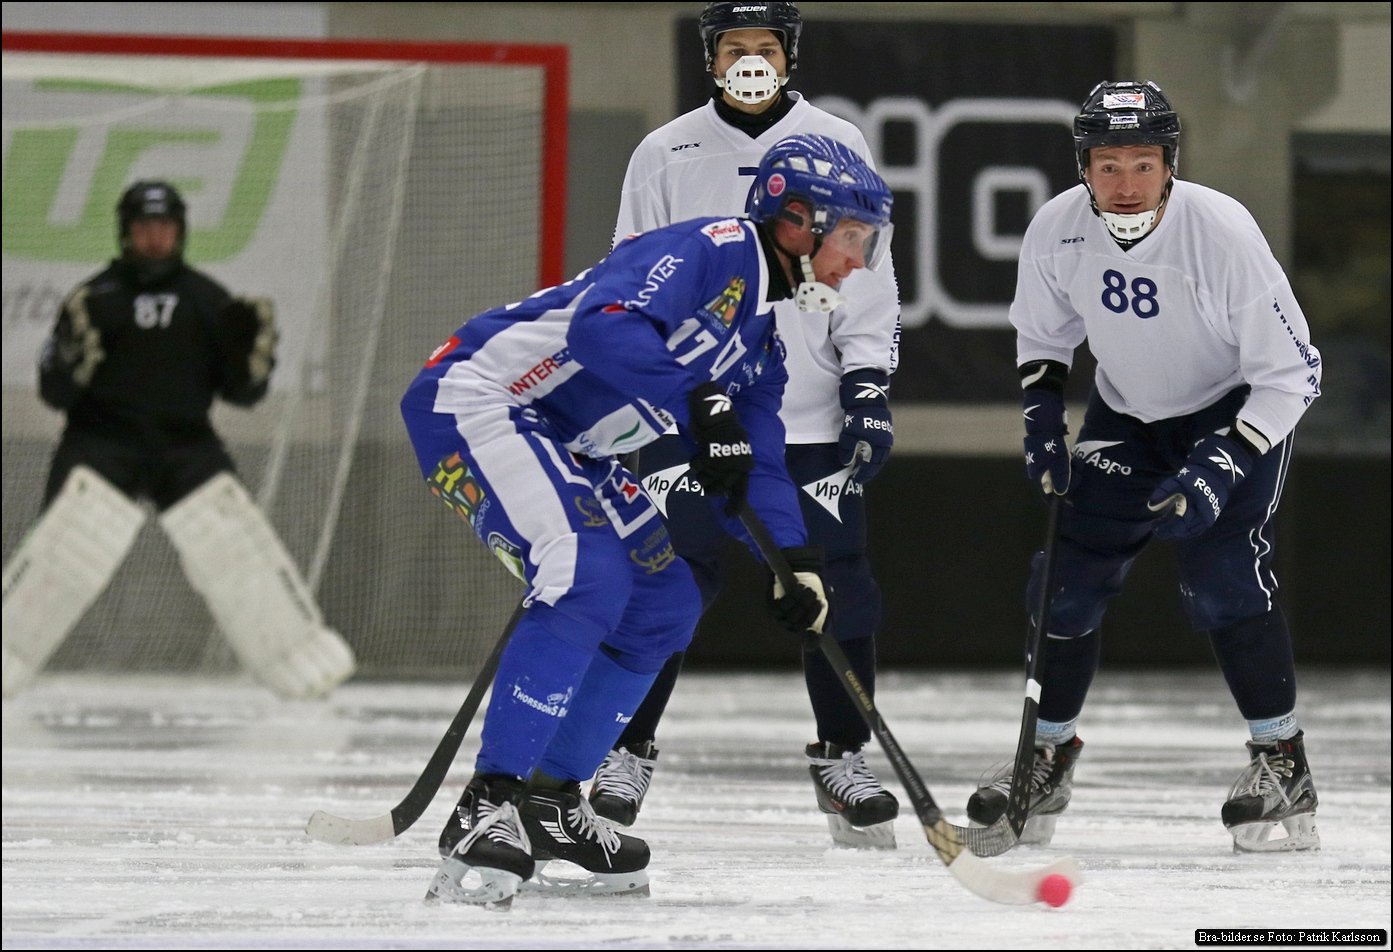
pixel 873 392
pixel 740 448
pixel 1225 462
pixel 717 403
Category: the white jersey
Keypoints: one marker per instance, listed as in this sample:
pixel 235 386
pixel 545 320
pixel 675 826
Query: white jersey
pixel 1196 309
pixel 699 165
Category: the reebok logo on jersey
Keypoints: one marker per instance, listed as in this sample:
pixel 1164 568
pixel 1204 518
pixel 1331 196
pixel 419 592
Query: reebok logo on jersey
pixel 719 402
pixel 871 391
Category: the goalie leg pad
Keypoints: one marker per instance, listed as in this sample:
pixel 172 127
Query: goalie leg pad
pixel 64 563
pixel 234 559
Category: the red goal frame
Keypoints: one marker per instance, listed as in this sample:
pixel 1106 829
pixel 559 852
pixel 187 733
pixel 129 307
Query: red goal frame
pixel 553 59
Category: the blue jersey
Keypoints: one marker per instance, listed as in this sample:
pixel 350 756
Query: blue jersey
pixel 604 363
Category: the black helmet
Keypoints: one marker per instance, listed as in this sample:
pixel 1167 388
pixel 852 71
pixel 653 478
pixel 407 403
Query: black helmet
pixel 1127 113
pixel 782 18
pixel 150 200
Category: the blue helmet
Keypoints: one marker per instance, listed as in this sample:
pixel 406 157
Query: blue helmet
pixel 831 178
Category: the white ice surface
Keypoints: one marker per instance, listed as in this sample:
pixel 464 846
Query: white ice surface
pixel 168 813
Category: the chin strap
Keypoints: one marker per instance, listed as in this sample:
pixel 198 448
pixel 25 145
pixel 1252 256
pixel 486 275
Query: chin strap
pixel 812 294
pixel 1131 228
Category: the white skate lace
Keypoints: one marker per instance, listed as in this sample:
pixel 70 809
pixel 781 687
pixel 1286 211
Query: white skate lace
pixel 850 779
pixel 1039 773
pixel 502 824
pixel 624 774
pixel 591 826
pixel 1262 777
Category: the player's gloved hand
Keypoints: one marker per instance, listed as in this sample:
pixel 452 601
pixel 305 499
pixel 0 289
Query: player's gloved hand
pixel 724 458
pixel 77 344
pixel 1192 499
pixel 248 327
pixel 866 423
pixel 805 608
pixel 1046 453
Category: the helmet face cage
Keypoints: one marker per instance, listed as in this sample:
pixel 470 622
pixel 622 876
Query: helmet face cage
pixel 1126 113
pixel 832 179
pixel 150 200
pixel 783 18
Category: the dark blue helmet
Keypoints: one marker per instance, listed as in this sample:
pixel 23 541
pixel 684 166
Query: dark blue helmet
pixel 1127 113
pixel 782 18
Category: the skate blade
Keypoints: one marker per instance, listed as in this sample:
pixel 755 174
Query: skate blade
pixel 1301 834
pixel 877 836
pixel 1038 830
pixel 586 883
pixel 473 885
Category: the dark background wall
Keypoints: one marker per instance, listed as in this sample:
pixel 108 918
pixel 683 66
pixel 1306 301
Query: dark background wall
pixel 952 540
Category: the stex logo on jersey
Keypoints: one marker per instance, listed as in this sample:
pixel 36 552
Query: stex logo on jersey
pixel 1090 453
pixel 720 311
pixel 456 486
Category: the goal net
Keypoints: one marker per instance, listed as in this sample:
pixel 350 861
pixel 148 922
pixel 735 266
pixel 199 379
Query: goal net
pixel 379 194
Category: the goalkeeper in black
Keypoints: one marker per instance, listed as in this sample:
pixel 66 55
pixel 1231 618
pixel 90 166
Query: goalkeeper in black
pixel 135 360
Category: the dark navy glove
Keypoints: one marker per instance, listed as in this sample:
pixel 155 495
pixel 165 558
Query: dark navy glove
pixel 724 458
pixel 1046 452
pixel 867 430
pixel 805 608
pixel 1193 498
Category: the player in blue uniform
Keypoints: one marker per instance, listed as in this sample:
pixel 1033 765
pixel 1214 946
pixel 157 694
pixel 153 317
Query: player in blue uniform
pixel 518 420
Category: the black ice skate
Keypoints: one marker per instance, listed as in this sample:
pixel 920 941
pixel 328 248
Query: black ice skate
pixel 1276 788
pixel 1051 785
pixel 485 847
pixel 562 825
pixel 622 782
pixel 860 812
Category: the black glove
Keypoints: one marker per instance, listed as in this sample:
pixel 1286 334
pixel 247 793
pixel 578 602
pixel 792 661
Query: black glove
pixel 77 344
pixel 805 608
pixel 248 327
pixel 866 425
pixel 1215 466
pixel 724 458
pixel 1046 423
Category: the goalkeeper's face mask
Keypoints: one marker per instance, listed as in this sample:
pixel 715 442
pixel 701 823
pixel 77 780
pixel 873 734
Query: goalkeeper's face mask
pixel 750 66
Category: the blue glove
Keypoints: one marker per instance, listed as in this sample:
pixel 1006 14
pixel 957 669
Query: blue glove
pixel 1046 453
pixel 866 425
pixel 1193 498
